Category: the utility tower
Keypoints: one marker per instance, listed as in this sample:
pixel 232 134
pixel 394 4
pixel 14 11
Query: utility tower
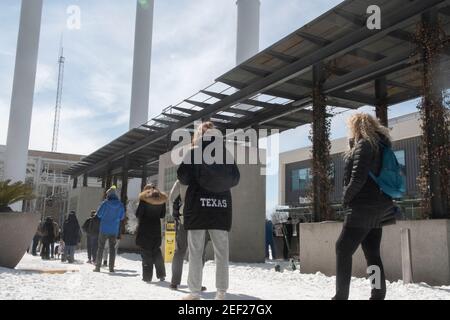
pixel 58 99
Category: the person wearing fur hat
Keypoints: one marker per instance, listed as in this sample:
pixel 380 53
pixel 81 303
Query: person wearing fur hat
pixel 151 209
pixel 111 212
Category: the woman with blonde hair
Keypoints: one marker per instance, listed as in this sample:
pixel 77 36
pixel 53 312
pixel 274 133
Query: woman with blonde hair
pixel 367 204
pixel 207 209
pixel 151 209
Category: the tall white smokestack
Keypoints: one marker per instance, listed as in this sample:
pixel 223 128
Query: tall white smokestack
pixel 247 38
pixel 140 90
pixel 248 21
pixel 19 124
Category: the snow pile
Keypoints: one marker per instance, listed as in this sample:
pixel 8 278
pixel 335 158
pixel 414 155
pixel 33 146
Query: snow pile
pixel 247 282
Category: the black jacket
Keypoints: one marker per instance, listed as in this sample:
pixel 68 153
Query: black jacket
pixel 362 195
pixel 71 231
pixel 205 210
pixel 149 228
pixel 359 187
pixel 92 226
pixel 49 232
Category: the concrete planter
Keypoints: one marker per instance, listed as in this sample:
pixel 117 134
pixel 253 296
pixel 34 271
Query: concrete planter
pixel 430 250
pixel 16 233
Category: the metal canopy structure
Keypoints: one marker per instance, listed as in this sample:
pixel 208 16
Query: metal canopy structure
pixel 274 89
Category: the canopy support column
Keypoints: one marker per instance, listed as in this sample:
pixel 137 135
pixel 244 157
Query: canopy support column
pixel 381 108
pixel 435 145
pixel 124 190
pixel 320 149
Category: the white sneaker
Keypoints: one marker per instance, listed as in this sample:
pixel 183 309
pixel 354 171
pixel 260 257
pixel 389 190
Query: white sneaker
pixel 191 296
pixel 220 295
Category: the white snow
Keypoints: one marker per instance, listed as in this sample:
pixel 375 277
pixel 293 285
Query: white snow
pixel 247 281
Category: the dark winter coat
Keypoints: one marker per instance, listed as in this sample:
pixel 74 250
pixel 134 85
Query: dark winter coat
pixel 71 231
pixel 368 204
pixel 49 231
pixel 149 213
pixel 92 226
pixel 204 210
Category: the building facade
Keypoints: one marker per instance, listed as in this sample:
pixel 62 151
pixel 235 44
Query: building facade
pixel 50 185
pixel 295 166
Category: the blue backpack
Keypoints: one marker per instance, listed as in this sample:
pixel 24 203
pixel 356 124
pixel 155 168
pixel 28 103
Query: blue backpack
pixel 390 180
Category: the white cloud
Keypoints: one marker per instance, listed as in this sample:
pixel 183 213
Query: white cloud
pixel 46 78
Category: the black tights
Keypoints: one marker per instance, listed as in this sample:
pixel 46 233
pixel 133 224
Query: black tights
pixel 348 242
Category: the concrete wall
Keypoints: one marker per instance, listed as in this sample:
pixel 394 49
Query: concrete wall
pixel 247 237
pixel 83 200
pixel 429 245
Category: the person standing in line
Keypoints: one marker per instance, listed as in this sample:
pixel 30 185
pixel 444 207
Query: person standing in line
pixel 111 212
pixel 176 204
pixel 37 237
pixel 208 207
pixel 71 236
pixel 287 235
pixel 367 203
pixel 150 212
pixel 269 240
pixel 48 237
pixel 92 228
pixel 57 235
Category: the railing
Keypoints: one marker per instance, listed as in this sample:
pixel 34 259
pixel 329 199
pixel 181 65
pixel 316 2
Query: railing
pixel 410 210
pixel 54 178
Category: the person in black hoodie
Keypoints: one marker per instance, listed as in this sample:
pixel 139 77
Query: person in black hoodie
pixel 49 237
pixel 151 209
pixel 208 207
pixel 367 204
pixel 92 228
pixel 71 236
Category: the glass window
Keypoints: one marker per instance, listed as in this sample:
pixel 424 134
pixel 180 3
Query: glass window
pixel 301 179
pixel 401 158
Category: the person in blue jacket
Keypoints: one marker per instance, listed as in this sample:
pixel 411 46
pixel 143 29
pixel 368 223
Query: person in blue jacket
pixel 111 212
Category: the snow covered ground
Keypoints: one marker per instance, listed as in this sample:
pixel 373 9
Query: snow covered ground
pixel 247 282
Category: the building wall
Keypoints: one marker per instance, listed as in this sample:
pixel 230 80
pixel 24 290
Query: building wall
pixel 51 187
pixel 410 147
pixel 405 132
pixel 83 200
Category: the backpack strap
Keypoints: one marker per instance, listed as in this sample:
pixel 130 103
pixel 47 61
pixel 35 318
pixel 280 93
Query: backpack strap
pixel 383 146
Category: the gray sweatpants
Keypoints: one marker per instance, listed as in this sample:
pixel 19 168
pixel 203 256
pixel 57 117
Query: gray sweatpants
pixel 196 242
pixel 181 247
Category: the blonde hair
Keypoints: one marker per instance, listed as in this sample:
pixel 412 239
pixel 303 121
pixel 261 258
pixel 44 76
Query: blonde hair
pixel 201 130
pixel 365 126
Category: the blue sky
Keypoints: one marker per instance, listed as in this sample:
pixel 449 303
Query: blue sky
pixel 193 43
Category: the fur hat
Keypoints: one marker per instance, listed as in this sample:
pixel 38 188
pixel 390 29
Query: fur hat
pixel 153 196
